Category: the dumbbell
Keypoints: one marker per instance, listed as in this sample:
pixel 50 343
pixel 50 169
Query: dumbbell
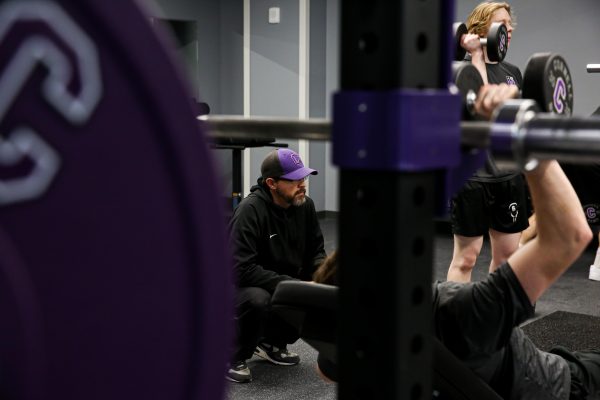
pixel 468 81
pixel 496 42
pixel 546 80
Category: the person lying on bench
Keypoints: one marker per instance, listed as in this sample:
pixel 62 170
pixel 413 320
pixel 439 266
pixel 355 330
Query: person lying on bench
pixel 479 321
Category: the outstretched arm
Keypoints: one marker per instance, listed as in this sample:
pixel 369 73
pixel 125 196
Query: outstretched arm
pixel 563 232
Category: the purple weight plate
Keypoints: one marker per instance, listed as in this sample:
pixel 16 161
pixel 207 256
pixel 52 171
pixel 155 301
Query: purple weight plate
pixel 117 281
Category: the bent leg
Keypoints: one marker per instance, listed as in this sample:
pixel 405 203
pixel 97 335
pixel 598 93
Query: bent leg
pixel 509 218
pixel 503 245
pixel 464 256
pixel 278 332
pixel 252 305
pixel 469 223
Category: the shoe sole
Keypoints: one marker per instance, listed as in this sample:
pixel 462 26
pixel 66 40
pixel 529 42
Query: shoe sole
pixel 263 354
pixel 230 379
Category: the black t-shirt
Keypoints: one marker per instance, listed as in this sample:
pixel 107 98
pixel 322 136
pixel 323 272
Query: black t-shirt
pixel 478 322
pixel 475 322
pixel 502 72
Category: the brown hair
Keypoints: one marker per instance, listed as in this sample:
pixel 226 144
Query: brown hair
pixel 480 18
pixel 327 270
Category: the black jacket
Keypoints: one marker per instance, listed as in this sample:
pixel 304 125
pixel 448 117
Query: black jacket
pixel 272 244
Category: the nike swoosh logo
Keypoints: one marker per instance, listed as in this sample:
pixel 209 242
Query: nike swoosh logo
pixel 271 236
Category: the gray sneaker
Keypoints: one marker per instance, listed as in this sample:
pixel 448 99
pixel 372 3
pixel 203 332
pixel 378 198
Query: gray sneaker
pixel 277 355
pixel 239 372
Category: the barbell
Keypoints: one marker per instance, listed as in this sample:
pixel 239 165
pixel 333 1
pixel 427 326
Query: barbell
pixel 547 80
pixel 518 133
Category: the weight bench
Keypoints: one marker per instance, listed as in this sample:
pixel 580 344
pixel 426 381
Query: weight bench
pixel 312 309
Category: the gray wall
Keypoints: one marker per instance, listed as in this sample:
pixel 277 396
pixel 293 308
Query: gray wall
pixel 230 77
pixel 274 77
pixel 569 28
pixel 274 59
pixel 220 62
pixel 318 95
pixel 331 86
pixel 274 67
pixel 207 14
pixel 232 57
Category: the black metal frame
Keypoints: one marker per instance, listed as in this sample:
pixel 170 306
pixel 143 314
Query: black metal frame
pixel 386 225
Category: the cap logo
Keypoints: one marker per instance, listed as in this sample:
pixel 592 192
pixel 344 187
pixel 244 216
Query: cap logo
pixel 296 159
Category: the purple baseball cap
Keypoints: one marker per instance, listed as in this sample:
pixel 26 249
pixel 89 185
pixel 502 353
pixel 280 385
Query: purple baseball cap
pixel 286 164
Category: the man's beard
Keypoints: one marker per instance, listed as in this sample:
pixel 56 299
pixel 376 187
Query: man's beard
pixel 298 201
pixel 294 200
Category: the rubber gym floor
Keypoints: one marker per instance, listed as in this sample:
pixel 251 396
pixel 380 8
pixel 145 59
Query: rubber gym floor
pixel 574 300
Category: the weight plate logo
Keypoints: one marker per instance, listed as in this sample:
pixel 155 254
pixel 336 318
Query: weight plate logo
pixel 33 49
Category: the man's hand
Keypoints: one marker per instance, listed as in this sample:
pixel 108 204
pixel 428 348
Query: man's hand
pixel 491 96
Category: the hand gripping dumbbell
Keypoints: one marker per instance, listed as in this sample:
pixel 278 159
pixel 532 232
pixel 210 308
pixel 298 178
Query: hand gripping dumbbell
pixel 546 80
pixel 496 42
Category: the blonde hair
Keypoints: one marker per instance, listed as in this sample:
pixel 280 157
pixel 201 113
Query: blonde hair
pixel 480 19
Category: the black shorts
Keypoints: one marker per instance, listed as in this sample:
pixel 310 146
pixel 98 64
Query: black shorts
pixel 586 182
pixel 479 206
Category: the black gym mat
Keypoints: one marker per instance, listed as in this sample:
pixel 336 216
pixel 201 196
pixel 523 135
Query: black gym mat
pixel 571 330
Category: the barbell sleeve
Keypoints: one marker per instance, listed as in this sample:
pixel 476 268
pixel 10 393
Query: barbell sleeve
pixel 528 135
pixel 573 139
pixel 516 135
pixel 593 68
pixel 233 126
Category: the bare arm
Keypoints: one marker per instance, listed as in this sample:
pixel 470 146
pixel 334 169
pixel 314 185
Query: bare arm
pixel 471 43
pixel 530 232
pixel 563 232
pixel 491 96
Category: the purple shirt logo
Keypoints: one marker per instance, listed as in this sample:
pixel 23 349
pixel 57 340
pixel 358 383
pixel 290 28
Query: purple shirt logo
pixel 590 212
pixel 510 80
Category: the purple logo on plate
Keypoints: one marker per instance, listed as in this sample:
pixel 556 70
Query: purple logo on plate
pixel 560 95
